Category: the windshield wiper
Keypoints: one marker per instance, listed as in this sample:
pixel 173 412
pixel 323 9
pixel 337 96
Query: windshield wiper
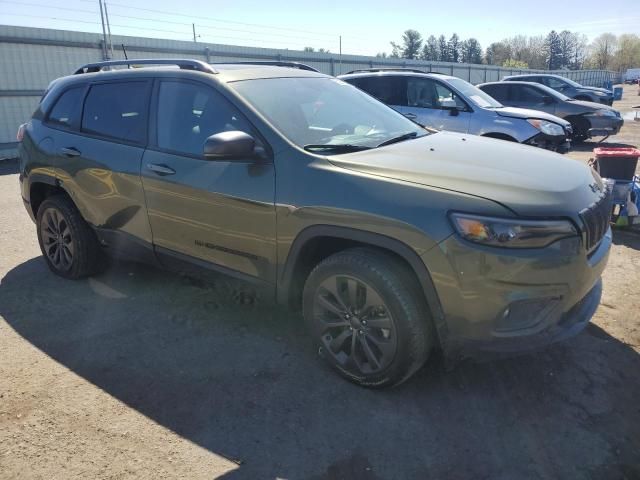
pixel 335 147
pixel 399 138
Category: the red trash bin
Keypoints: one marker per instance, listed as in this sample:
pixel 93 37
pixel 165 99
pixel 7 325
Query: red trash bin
pixel 618 163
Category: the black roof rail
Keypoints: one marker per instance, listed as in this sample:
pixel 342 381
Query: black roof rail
pixel 274 63
pixel 184 64
pixel 392 69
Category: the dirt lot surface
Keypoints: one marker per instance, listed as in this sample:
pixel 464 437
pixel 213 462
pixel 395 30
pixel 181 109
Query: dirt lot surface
pixel 141 373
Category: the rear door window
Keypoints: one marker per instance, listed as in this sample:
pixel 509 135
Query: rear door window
pixel 389 89
pixel 527 94
pixel 421 93
pixel 67 107
pixel 117 111
pixel 499 92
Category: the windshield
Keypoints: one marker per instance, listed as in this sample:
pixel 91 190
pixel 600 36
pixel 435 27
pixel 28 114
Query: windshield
pixel 553 93
pixel 319 111
pixel 571 82
pixel 474 94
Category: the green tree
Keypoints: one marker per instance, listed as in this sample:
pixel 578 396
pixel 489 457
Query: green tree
pixel 628 53
pixel 430 49
pixel 498 53
pixel 567 48
pixel 453 48
pixel 471 51
pixel 603 49
pixel 411 45
pixel 581 43
pixel 443 49
pixel 512 63
pixel 553 51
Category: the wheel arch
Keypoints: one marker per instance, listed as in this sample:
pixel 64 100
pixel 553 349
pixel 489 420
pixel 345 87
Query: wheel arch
pixel 315 243
pixel 42 187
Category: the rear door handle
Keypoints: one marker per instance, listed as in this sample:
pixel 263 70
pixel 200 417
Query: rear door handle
pixel 70 151
pixel 160 169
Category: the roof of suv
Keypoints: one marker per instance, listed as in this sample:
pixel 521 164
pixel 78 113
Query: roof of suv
pixel 539 86
pixel 223 72
pixel 523 75
pixel 395 72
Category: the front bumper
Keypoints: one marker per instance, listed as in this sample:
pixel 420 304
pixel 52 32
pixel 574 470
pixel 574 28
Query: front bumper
pixel 517 300
pixel 556 143
pixel 614 124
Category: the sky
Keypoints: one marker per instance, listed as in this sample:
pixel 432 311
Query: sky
pixel 366 27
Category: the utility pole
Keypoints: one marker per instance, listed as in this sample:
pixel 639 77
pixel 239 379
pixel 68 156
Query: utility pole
pixel 106 16
pixel 193 25
pixel 340 69
pixel 105 52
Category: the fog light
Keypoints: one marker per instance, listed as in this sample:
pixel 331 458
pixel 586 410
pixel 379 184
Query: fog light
pixel 528 314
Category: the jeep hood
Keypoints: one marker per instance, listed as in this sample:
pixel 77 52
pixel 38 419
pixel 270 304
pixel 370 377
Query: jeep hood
pixel 525 113
pixel 528 180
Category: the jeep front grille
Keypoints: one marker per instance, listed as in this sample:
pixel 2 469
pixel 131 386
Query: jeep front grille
pixel 596 220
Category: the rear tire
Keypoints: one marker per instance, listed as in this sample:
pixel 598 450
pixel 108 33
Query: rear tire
pixel 67 242
pixel 368 317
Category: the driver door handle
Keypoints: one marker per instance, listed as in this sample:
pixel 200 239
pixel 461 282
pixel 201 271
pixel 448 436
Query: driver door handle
pixel 411 116
pixel 160 169
pixel 70 152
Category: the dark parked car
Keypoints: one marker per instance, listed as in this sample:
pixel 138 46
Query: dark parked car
pixel 448 103
pixel 587 118
pixel 567 87
pixel 393 241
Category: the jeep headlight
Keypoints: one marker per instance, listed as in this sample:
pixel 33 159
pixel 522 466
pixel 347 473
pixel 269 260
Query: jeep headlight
pixel 546 127
pixel 511 233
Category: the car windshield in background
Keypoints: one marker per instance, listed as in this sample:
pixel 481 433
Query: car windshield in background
pixel 553 93
pixel 325 114
pixel 477 96
pixel 571 82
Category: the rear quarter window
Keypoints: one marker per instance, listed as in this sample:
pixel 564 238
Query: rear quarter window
pixel 67 107
pixel 117 111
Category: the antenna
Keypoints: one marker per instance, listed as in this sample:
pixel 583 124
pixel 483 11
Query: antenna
pixel 125 55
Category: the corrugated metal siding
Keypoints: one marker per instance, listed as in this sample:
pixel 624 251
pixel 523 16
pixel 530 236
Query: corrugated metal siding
pixel 33 57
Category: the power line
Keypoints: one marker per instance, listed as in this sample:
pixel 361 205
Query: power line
pixel 199 25
pixel 185 33
pixel 199 17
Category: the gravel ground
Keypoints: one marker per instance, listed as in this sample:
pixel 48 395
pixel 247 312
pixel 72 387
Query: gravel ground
pixel 141 373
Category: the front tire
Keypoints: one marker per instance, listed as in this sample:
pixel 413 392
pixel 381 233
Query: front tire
pixel 580 127
pixel 68 244
pixel 368 318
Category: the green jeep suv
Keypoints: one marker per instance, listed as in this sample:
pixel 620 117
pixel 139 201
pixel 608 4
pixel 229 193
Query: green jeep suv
pixel 393 241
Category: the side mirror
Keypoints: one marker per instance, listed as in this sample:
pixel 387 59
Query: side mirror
pixel 451 105
pixel 233 145
pixel 547 100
